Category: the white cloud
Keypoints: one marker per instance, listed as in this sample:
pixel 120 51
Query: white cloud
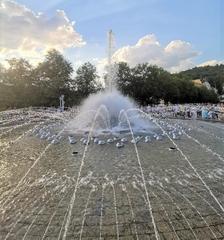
pixel 25 33
pixel 211 63
pixel 175 56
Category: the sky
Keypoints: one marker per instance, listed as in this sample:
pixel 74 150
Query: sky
pixel 173 34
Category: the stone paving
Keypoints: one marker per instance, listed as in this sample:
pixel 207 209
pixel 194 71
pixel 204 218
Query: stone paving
pixel 48 193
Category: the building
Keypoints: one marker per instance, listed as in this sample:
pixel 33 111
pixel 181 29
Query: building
pixel 203 82
pixel 197 83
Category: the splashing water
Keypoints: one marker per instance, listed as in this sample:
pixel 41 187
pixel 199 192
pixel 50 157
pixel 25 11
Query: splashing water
pixel 110 119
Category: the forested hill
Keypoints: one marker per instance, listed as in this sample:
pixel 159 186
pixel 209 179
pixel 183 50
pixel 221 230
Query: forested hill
pixel 213 74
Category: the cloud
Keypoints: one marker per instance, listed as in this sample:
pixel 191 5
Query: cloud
pixel 211 63
pixel 26 33
pixel 175 56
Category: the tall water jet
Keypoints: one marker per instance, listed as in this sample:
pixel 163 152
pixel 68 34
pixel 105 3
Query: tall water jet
pixel 111 70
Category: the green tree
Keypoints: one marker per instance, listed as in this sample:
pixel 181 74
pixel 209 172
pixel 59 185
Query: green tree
pixel 143 82
pixel 3 95
pixel 53 77
pixel 171 91
pixel 124 78
pixel 17 82
pixel 206 96
pixel 86 80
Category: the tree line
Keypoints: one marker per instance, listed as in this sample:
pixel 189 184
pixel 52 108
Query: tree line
pixel 149 84
pixel 22 85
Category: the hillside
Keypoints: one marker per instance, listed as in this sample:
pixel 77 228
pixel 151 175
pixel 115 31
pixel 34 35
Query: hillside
pixel 213 74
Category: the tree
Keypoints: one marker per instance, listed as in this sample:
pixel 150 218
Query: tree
pixel 124 78
pixel 143 82
pixel 3 96
pixel 2 73
pixel 171 91
pixel 17 82
pixel 205 95
pixel 86 80
pixel 53 77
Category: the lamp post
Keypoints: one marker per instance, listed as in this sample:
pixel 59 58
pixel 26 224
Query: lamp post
pixel 62 103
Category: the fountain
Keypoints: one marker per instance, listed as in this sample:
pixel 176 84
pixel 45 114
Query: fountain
pixel 111 105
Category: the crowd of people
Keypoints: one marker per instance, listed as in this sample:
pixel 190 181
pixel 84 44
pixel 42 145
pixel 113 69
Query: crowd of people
pixel 188 111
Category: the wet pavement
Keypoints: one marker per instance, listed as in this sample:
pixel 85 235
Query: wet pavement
pixel 104 192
